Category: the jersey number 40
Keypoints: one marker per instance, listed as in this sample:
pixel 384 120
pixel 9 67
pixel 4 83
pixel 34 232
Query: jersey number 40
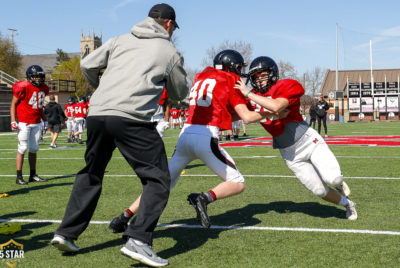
pixel 201 92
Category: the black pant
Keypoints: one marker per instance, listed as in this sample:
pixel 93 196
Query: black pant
pixel 323 118
pixel 312 121
pixel 144 150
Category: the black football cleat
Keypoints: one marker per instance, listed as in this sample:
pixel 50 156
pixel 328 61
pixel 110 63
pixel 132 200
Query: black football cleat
pixel 119 224
pixel 20 180
pixel 36 178
pixel 199 202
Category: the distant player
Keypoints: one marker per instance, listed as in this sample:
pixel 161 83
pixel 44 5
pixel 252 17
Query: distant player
pixel 69 113
pixel 27 108
pixel 302 148
pixel 80 112
pixel 175 116
pixel 212 102
pixel 162 114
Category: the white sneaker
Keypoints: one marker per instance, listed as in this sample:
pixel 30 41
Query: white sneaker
pixel 326 135
pixel 351 212
pixel 64 244
pixel 343 189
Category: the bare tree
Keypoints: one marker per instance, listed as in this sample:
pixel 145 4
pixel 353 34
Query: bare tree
pixel 246 49
pixel 287 70
pixel 313 80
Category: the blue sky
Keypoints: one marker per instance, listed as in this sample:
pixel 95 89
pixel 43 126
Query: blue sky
pixel 300 32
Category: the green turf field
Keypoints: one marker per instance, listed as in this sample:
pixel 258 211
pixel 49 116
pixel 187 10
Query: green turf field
pixel 275 222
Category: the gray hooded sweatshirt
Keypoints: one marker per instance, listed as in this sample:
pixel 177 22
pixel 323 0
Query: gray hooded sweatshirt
pixel 137 66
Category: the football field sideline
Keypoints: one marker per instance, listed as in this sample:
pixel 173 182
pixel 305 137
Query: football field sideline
pixel 261 228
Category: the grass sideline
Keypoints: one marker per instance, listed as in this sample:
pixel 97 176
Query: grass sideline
pixel 276 201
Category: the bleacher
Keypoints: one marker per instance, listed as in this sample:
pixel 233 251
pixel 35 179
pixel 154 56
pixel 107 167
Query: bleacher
pixel 6 82
pixel 5 102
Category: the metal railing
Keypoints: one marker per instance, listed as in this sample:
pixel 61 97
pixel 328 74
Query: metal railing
pixel 7 79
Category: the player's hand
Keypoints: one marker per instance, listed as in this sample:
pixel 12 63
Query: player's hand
pixel 14 126
pixel 241 86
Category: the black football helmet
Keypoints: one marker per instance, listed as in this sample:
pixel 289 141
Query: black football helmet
pixel 34 71
pixel 82 99
pixel 71 100
pixel 263 64
pixel 230 59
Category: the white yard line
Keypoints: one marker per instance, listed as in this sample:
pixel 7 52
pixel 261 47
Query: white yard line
pixel 213 175
pixel 261 228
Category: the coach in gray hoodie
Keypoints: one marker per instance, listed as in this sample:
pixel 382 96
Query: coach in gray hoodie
pixel 137 67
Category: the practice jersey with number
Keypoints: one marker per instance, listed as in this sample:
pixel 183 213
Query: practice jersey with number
pixel 31 99
pixel 79 110
pixel 213 98
pixel 174 113
pixel 288 89
pixel 70 109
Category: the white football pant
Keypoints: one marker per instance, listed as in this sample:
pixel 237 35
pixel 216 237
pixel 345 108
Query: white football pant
pixel 28 137
pixel 313 163
pixel 201 142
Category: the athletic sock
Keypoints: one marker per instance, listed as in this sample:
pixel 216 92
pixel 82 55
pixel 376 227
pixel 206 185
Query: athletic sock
pixel 343 201
pixel 128 213
pixel 33 172
pixel 19 173
pixel 211 197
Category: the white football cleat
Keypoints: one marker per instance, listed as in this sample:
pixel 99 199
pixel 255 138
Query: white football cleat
pixel 351 212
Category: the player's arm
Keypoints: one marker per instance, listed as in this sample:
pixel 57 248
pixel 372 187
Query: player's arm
pixel 13 111
pixel 274 105
pixel 13 108
pixel 249 116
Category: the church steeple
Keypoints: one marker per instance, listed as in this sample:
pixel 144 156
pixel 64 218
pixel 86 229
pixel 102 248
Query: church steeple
pixel 89 43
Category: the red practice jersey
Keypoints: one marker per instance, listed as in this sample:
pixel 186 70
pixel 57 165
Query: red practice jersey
pixel 212 98
pixel 70 109
pixel 31 98
pixel 288 89
pixel 174 113
pixel 79 109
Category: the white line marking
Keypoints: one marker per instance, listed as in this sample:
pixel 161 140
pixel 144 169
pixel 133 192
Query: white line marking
pixel 293 229
pixel 213 175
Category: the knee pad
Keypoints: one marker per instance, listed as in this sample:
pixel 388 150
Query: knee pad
pixel 320 191
pixel 22 148
pixel 337 181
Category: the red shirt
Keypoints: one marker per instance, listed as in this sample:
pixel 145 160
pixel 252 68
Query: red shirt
pixel 70 109
pixel 31 98
pixel 174 113
pixel 79 109
pixel 212 98
pixel 288 89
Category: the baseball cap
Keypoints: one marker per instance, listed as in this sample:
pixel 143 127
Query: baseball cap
pixel 163 11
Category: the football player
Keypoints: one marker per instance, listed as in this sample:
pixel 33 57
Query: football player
pixel 27 108
pixel 212 102
pixel 304 151
pixel 162 114
pixel 69 113
pixel 80 112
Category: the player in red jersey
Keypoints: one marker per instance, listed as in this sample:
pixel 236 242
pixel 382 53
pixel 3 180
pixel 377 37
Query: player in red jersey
pixel 69 113
pixel 80 112
pixel 175 116
pixel 27 108
pixel 302 148
pixel 212 103
pixel 162 114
